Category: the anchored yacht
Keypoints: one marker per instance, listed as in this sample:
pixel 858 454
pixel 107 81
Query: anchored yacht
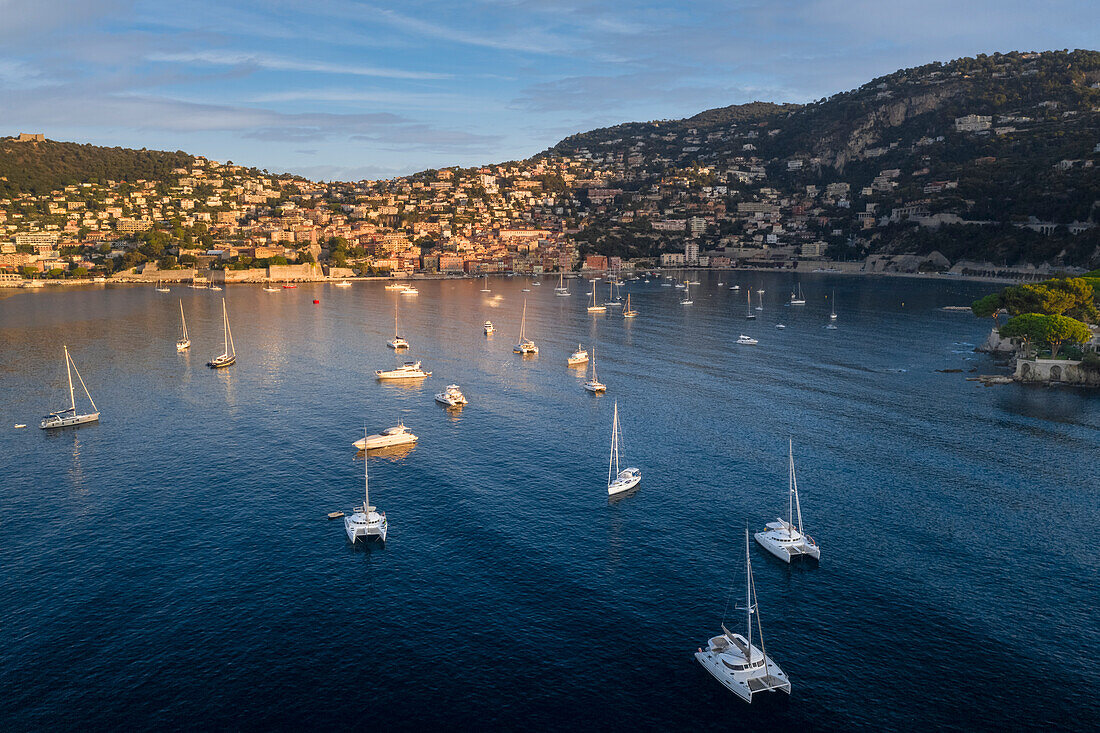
pixel 594 385
pixel 452 396
pixel 229 356
pixel 784 538
pixel 735 661
pixel 626 479
pixel 525 345
pixel 799 298
pixel 408 370
pixel 578 357
pixel 489 327
pixel 747 340
pixel 183 343
pixel 366 522
pixel 397 435
pixel 69 416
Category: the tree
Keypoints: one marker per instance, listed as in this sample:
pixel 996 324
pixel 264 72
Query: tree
pixel 1063 329
pixel 987 307
pixel 1053 330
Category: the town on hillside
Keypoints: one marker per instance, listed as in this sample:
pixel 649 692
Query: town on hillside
pixel 729 190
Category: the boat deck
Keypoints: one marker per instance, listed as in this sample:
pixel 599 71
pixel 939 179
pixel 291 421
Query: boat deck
pixel 768 682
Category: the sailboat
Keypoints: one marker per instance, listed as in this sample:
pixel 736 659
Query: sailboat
pixel 397 342
pixel 759 300
pixel 629 312
pixel 69 416
pixel 735 661
pixel 161 289
pixel 832 314
pixel 748 305
pixel 229 356
pixel 561 289
pixel 687 295
pixel 594 385
pixel 612 300
pixel 594 308
pixel 366 522
pixel 525 345
pixel 486 289
pixel 184 341
pixel 798 299
pixel 784 538
pixel 623 480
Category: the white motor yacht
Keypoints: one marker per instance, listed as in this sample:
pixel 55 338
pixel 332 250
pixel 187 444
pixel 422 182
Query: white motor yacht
pixel 452 396
pixel 395 286
pixel 366 522
pixel 397 435
pixel 343 284
pixel 735 287
pixel 410 290
pixel 735 661
pixel 489 327
pixel 69 416
pixel 780 326
pixel 626 479
pixel 784 538
pixel 578 357
pixel 747 340
pixel 408 370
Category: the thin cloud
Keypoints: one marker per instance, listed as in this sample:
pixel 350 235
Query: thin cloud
pixel 277 63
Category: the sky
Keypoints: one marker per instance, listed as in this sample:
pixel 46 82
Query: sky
pixel 350 90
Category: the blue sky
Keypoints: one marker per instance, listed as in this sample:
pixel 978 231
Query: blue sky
pixel 353 90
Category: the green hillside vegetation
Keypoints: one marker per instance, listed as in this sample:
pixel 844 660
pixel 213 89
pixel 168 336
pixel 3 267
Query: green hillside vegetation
pixel 42 167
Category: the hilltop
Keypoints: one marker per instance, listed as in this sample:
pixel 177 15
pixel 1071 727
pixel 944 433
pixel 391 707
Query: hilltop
pixel 42 166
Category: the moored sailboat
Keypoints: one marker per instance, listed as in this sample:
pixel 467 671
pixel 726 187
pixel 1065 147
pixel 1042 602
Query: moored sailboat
pixel 69 416
pixel 366 521
pixel 784 538
pixel 733 659
pixel 229 356
pixel 525 346
pixel 626 479
pixel 184 341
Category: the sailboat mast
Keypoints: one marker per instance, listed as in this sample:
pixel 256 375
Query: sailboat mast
pixel 790 487
pixel 523 321
pixel 794 490
pixel 614 441
pixel 69 371
pixel 748 594
pixel 366 483
pixel 182 319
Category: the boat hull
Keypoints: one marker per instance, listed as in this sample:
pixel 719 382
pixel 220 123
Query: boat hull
pixel 183 345
pixel 222 362
pixel 619 486
pixel 787 551
pixel 68 422
pixel 385 441
pixel 740 685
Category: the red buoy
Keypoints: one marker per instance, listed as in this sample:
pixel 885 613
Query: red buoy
pixel 315 301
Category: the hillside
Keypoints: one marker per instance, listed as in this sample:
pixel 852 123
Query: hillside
pixel 45 166
pixel 996 142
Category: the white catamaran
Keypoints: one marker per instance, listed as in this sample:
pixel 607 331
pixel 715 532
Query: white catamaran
pixel 525 345
pixel 366 522
pixel 229 356
pixel 69 416
pixel 626 479
pixel 784 538
pixel 184 341
pixel 735 661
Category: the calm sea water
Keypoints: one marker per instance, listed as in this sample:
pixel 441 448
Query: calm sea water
pixel 172 566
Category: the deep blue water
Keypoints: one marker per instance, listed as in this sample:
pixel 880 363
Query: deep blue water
pixel 172 566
